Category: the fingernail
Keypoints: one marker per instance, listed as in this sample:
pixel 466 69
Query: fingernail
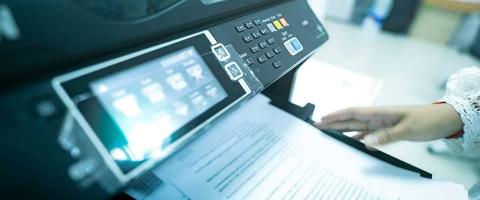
pixel 371 140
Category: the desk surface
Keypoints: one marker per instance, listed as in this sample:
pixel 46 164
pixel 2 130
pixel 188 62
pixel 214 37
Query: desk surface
pixel 412 72
pixel 414 69
pixel 456 5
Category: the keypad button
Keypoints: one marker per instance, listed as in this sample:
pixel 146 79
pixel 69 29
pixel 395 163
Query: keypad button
pixel 256 35
pixel 264 31
pixel 293 46
pixel 277 24
pixel 296 44
pixel 271 41
pixel 271 27
pixel 270 54
pixel 255 48
pixel 277 50
pixel 249 25
pixel 263 45
pixel 240 28
pixel 277 64
pixel 257 22
pixel 249 61
pixel 247 38
pixel 262 59
pixel 284 22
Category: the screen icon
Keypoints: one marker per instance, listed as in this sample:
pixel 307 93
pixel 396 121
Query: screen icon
pixel 154 93
pixel 187 54
pixel 212 92
pixel 196 72
pixel 181 108
pixel 177 82
pixel 128 106
pixel 199 101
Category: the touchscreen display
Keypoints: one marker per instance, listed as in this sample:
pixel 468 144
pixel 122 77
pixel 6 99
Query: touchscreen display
pixel 151 101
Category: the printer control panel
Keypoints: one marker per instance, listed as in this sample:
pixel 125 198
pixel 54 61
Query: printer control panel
pixel 269 40
pixel 275 40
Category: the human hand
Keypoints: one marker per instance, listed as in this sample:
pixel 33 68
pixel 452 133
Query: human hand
pixel 383 125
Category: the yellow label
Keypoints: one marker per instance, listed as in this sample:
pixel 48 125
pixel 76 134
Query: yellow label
pixel 277 24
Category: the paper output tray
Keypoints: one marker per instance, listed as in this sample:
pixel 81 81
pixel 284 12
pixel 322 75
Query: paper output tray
pixel 305 113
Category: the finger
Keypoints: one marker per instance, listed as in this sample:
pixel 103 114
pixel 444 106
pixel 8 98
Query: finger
pixel 385 136
pixel 345 126
pixel 360 136
pixel 339 115
pixel 357 114
pixel 371 148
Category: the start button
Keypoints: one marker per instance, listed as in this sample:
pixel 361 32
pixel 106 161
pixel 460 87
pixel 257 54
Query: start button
pixel 293 46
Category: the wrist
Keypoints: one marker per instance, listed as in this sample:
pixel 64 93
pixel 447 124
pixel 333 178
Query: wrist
pixel 452 123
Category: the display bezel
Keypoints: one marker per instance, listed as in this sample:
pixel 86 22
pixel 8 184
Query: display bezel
pixel 94 118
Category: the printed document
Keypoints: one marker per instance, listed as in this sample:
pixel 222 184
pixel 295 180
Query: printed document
pixel 262 152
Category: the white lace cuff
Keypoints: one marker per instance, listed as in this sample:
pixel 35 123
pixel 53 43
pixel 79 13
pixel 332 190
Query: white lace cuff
pixel 463 93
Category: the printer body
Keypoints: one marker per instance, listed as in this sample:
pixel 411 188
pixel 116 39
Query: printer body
pixel 59 60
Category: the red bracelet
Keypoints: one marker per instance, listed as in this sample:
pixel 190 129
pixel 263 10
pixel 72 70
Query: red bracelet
pixel 457 134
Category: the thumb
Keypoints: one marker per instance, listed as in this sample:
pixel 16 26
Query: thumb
pixel 384 136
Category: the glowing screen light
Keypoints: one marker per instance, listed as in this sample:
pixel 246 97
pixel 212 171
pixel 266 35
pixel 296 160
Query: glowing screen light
pixel 150 102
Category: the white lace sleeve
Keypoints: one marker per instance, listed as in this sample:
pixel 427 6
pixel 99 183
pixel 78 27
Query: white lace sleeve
pixel 463 93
